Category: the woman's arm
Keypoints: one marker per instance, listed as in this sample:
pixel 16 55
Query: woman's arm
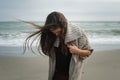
pixel 75 50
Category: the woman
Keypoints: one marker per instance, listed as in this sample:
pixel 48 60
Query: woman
pixel 65 44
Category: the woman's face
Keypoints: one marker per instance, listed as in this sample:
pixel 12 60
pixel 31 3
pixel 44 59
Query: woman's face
pixel 56 31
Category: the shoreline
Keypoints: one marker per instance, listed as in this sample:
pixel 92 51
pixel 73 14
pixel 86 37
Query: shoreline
pixel 17 51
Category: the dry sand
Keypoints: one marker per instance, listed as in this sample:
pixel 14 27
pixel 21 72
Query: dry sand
pixel 102 65
pixel 22 68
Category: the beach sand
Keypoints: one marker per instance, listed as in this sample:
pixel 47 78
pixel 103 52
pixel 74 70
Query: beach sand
pixel 101 65
pixel 23 68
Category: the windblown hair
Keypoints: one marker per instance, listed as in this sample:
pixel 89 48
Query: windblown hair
pixel 46 38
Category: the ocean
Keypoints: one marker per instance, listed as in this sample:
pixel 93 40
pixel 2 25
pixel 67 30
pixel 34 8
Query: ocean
pixel 102 35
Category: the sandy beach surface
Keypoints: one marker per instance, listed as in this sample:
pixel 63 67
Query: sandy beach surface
pixel 101 65
pixel 23 68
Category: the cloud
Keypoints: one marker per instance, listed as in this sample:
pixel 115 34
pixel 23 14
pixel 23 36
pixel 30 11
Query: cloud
pixel 73 9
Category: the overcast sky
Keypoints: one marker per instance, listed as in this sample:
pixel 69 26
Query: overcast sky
pixel 74 10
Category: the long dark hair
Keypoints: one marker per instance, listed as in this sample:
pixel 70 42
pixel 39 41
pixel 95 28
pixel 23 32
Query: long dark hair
pixel 46 38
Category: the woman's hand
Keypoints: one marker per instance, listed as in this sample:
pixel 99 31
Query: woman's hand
pixel 75 50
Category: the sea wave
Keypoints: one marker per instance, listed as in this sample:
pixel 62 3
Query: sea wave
pixel 19 39
pixel 12 34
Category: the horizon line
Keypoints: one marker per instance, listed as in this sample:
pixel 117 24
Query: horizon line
pixel 69 21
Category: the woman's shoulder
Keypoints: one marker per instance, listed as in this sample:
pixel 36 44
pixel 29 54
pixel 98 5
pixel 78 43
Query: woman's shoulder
pixel 76 28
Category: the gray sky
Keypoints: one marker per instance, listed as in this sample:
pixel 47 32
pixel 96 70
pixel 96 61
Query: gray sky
pixel 74 10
